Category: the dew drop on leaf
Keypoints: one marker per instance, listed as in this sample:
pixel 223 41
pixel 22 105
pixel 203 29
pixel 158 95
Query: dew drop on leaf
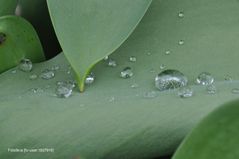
pixel 162 66
pixel 168 52
pixel 111 63
pixel 211 89
pixel 181 14
pixel 47 74
pixel 205 78
pixel 185 92
pixel 126 73
pixel 25 65
pixel 90 78
pixel 14 71
pixel 170 79
pixel 33 76
pixel 132 59
pixel 181 42
pixel 64 89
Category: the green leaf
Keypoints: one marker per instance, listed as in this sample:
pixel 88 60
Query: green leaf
pixel 111 119
pixel 215 137
pixel 7 7
pixel 90 30
pixel 19 40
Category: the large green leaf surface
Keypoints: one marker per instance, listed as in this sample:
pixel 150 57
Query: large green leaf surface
pixel 111 119
pixel 7 7
pixel 90 30
pixel 215 137
pixel 21 41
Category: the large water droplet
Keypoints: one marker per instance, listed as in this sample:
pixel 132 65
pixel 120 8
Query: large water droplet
pixel 64 89
pixel 181 14
pixel 33 77
pixel 126 73
pixel 111 63
pixel 150 94
pixel 235 91
pixel 47 74
pixel 170 79
pixel 25 65
pixel 90 78
pixel 185 92
pixel 132 59
pixel 211 89
pixel 205 78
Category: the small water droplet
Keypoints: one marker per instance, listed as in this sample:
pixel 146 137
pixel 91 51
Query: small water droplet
pixel 37 90
pixel 205 78
pixel 167 52
pixel 181 42
pixel 235 91
pixel 112 99
pixel 134 85
pixel 64 89
pixel 14 71
pixel 228 78
pixel 126 73
pixel 25 65
pixel 90 78
pixel 185 92
pixel 149 53
pixel 150 94
pixel 170 79
pixel 162 66
pixel 181 14
pixel 47 74
pixel 55 68
pixel 111 63
pixel 132 59
pixel 33 77
pixel 106 58
pixel 211 89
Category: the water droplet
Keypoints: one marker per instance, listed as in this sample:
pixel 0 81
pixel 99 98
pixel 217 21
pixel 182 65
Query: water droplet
pixel 126 73
pixel 162 66
pixel 112 99
pixel 14 71
pixel 150 94
pixel 55 68
pixel 33 77
pixel 228 78
pixel 134 85
pixel 235 91
pixel 185 92
pixel 181 42
pixel 132 59
pixel 2 38
pixel 170 79
pixel 25 65
pixel 64 89
pixel 47 74
pixel 37 90
pixel 181 14
pixel 112 63
pixel 149 53
pixel 90 78
pixel 204 78
pixel 211 89
pixel 106 58
pixel 167 52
